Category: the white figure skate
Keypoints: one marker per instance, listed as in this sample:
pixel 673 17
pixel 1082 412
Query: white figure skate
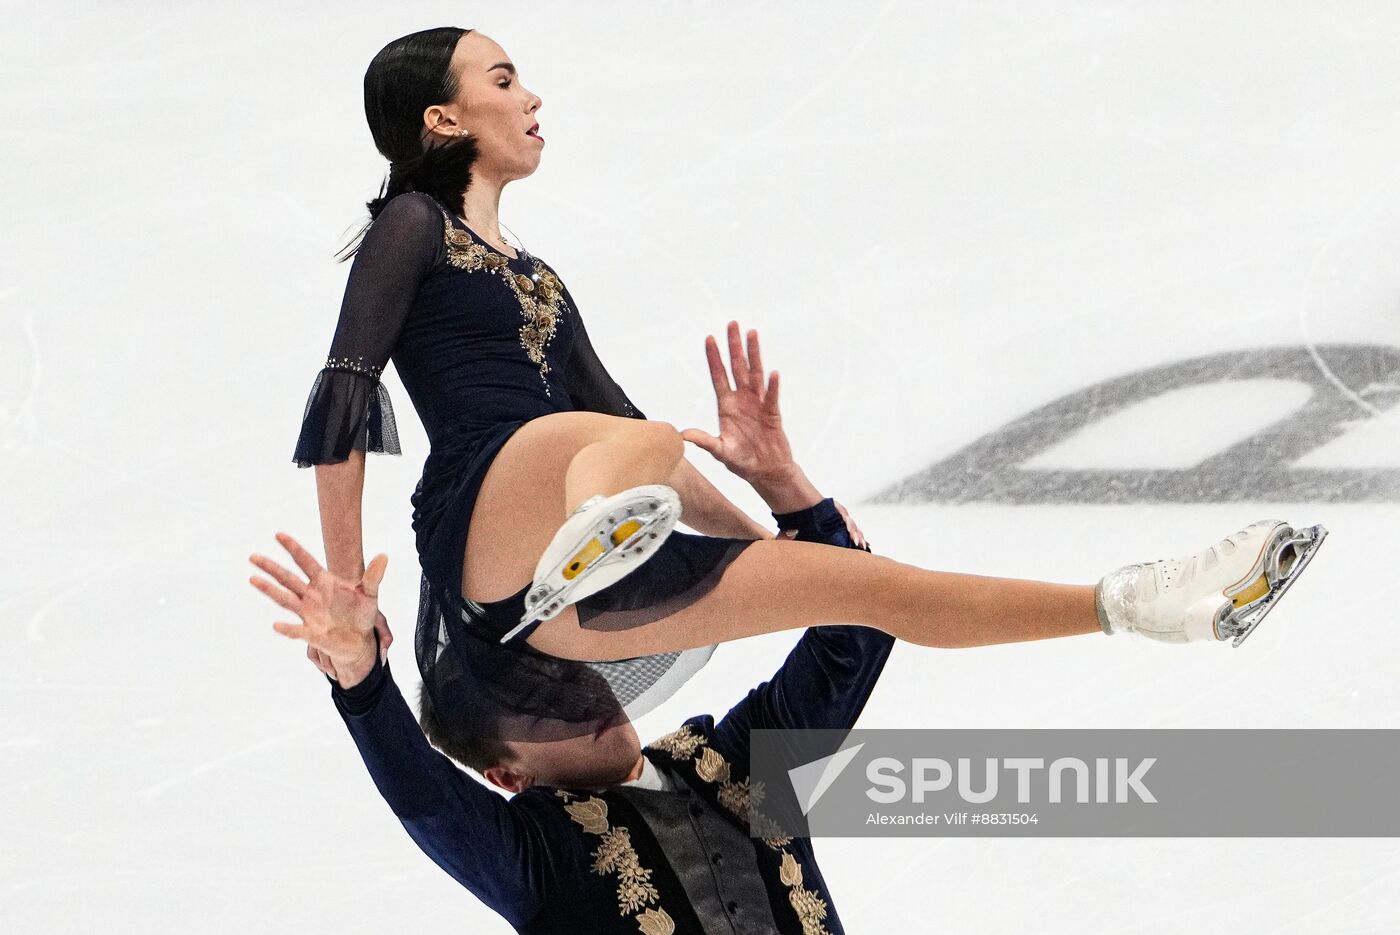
pixel 1219 594
pixel 600 542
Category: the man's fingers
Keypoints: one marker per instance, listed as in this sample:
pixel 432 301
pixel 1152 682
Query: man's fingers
pixel 320 660
pixel 755 363
pixel 770 398
pixel 293 631
pixel 305 561
pixel 718 377
pixel 284 599
pixel 701 440
pixel 737 362
pixel 283 576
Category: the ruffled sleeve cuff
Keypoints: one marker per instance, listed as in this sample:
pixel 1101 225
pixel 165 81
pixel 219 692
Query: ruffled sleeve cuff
pixel 346 409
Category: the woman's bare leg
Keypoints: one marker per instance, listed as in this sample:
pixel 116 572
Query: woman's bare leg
pixel 547 468
pixel 554 462
pixel 642 453
pixel 782 585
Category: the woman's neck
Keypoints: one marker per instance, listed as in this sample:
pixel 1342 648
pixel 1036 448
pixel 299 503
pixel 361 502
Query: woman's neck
pixel 481 204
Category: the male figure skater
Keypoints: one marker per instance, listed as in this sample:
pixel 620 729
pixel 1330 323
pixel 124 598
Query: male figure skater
pixel 601 834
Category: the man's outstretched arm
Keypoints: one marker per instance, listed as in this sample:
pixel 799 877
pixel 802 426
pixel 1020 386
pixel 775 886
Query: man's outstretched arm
pixel 486 843
pixel 491 846
pixel 828 676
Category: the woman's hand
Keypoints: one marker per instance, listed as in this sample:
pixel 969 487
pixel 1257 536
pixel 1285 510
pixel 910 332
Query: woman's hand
pixel 339 617
pixel 857 537
pixel 751 440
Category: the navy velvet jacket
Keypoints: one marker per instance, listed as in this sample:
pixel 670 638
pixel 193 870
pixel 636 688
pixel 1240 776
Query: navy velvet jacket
pixel 559 860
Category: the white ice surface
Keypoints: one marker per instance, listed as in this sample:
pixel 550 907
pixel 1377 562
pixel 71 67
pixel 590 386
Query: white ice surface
pixel 940 215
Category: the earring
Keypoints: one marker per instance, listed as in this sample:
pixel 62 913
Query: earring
pixel 463 133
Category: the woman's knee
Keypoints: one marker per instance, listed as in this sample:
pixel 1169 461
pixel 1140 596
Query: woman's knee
pixel 668 438
pixel 662 438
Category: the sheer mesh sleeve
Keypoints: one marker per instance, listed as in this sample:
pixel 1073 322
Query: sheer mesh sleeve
pixel 348 408
pixel 589 385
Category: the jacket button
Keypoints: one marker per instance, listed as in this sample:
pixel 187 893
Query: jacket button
pixel 697 809
pixel 733 907
pixel 717 859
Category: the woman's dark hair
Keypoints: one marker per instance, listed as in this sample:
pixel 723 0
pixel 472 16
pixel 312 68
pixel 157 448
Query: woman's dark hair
pixel 409 75
pixel 479 753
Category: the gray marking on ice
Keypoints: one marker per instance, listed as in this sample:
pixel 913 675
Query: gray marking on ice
pixel 1258 469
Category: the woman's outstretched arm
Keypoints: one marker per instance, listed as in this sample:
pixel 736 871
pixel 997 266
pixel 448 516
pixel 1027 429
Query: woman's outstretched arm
pixel 340 496
pixel 348 411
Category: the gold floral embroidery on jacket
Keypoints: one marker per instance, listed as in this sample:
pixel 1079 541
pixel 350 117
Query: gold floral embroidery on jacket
pixel 711 767
pixel 591 813
pixel 655 922
pixel 739 797
pixel 541 297
pixel 810 909
pixel 681 744
pixel 615 854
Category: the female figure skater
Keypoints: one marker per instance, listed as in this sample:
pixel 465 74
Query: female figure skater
pixel 523 622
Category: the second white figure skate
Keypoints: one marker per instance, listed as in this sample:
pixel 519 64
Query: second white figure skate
pixel 1221 593
pixel 600 542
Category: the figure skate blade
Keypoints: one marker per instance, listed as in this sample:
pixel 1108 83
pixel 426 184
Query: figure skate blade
pixel 1241 620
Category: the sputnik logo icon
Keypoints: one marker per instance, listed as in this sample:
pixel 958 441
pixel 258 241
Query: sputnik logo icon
pixel 811 780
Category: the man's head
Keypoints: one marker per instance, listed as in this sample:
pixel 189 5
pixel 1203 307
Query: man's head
pixel 608 756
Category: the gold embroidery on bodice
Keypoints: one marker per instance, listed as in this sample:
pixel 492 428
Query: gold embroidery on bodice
pixel 541 297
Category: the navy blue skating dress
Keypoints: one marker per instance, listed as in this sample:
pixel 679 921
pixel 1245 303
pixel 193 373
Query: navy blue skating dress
pixel 483 343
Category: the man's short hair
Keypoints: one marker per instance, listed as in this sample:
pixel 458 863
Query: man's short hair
pixel 476 752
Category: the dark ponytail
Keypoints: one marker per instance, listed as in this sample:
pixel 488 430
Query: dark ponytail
pixel 408 76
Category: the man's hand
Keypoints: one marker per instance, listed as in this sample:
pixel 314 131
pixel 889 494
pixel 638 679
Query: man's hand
pixel 339 617
pixel 751 440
